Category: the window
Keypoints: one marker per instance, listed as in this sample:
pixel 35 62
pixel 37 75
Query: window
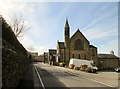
pixel 84 56
pixel 79 56
pixel 72 55
pixel 62 55
pixel 78 45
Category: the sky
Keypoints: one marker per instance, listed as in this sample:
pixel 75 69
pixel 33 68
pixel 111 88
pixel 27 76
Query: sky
pixel 98 21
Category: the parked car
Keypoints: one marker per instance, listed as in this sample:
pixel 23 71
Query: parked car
pixel 117 69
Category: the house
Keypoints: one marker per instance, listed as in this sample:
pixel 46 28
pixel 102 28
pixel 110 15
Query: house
pixel 39 58
pixel 33 55
pixel 51 56
pixel 108 61
pixel 45 57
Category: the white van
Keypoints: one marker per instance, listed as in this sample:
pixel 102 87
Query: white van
pixel 79 62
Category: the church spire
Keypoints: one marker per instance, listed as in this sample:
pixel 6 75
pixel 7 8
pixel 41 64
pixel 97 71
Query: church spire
pixel 67 34
pixel 67 25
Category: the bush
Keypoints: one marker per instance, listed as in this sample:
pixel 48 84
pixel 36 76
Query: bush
pixel 94 71
pixel 66 66
pixel 56 64
pixel 62 64
pixel 76 68
pixel 83 67
pixel 71 66
pixel 88 69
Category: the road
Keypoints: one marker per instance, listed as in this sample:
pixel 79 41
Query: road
pixel 52 76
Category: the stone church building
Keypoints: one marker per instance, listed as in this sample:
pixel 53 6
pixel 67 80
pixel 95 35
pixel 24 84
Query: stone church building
pixel 76 46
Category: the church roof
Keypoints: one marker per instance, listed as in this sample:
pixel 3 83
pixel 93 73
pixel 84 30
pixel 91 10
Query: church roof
pixel 91 46
pixel 78 31
pixel 61 45
pixel 107 56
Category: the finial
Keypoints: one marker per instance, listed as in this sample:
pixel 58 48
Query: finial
pixel 66 17
pixel 78 29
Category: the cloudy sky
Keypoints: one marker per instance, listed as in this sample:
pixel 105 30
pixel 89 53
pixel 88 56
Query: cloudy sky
pixel 98 21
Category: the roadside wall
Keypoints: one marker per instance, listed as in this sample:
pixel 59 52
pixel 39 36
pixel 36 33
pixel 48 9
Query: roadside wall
pixel 14 58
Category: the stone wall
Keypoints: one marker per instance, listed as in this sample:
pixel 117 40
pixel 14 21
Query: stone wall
pixel 14 58
pixel 108 63
pixel 14 65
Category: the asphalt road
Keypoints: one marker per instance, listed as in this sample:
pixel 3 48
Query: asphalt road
pixel 51 76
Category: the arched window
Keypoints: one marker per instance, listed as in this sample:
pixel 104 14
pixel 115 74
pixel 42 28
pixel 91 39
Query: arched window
pixel 78 45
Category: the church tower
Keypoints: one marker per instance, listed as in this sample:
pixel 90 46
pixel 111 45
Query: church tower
pixel 67 43
pixel 67 34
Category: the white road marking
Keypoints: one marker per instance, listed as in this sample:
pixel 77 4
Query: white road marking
pixel 39 77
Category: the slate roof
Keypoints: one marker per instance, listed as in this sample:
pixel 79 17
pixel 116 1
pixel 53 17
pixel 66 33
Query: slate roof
pixel 52 51
pixel 61 45
pixel 107 56
pixel 78 31
pixel 91 46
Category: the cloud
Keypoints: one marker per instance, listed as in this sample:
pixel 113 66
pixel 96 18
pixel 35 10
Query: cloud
pixel 65 0
pixel 30 12
pixel 31 46
pixel 26 41
pixel 106 16
pixel 45 23
pixel 108 46
pixel 100 33
pixel 103 26
pixel 9 9
pixel 42 49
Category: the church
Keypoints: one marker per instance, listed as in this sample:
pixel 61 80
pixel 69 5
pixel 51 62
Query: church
pixel 77 46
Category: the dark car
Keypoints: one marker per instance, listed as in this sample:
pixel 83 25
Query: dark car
pixel 117 69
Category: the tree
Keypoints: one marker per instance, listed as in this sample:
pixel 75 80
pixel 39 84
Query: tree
pixel 18 26
pixel 31 48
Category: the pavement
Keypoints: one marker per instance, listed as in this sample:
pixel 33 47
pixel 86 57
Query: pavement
pixel 30 79
pixel 0 68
